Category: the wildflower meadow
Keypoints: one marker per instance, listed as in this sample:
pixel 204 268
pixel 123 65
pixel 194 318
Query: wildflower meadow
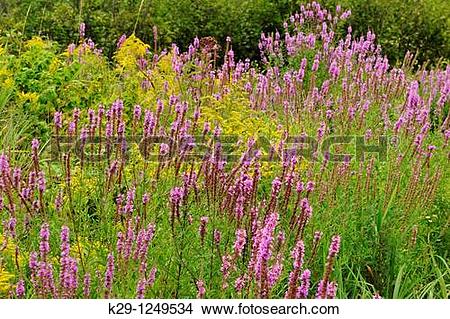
pixel 319 169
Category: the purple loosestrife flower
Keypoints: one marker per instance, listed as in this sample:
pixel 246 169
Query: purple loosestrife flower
pixel 121 41
pixel 33 265
pixel 45 276
pixel 129 240
pixel 11 227
pixel 321 131
pixel 72 277
pixel 332 252
pixel 239 207
pixel 202 228
pixel 82 29
pixel 368 135
pixel 59 202
pixel 143 240
pixel 306 212
pixel 334 246
pixel 71 128
pixel 4 165
pixel 201 289
pixel 217 236
pixel 35 149
pixel 92 120
pixel 108 130
pixel 217 131
pixel 418 140
pixel 57 119
pixel 140 290
pixel 398 125
pixel 87 285
pixel 310 186
pixel 83 136
pixel 176 195
pixel 119 202
pixel 275 272
pixel 300 187
pixel 142 64
pixel 331 290
pixel 163 149
pixel 145 198
pixel 303 290
pixel 20 289
pixel 129 205
pixel 151 277
pixel 206 128
pixel 265 242
pixel 159 106
pixel 41 182
pixel 276 186
pixel 71 48
pixel 109 275
pixel 65 243
pixel 241 236
pixel 137 113
pixel 44 247
pixel 149 123
pixel 239 284
pixel 317 237
pixel 431 149
pixel 225 269
pixel 297 254
pixel 120 243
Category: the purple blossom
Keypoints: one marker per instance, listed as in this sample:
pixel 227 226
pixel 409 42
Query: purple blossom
pixel 145 198
pixel 298 254
pixel 151 277
pixel 82 29
pixel 303 290
pixel 201 289
pixel 59 202
pixel 20 289
pixel 334 246
pixel 41 181
pixel 217 236
pixel 109 275
pixel 176 194
pixel 87 285
pixel 225 269
pixel 65 244
pixel 241 236
pixel 121 40
pixel 264 250
pixel 202 228
pixel 309 186
pixel 239 283
pixel 275 272
pixel 140 290
pixel 44 246
pixel 163 149
pixel 57 119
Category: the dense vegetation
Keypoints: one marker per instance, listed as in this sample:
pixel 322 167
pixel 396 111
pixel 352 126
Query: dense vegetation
pixel 400 25
pixel 168 173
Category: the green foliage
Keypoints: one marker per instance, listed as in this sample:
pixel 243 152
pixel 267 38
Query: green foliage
pixel 414 25
pixel 405 25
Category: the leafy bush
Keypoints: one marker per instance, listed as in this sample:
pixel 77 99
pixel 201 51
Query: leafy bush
pixel 400 25
pixel 405 25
